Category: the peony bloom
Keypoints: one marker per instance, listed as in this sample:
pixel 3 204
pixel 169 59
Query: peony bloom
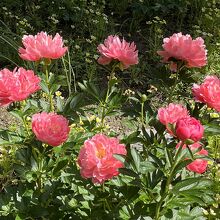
pixel 42 46
pixel 183 48
pixel 208 92
pixel 7 80
pixel 50 128
pixel 189 128
pixel 171 113
pixel 96 158
pixel 198 165
pixel 115 49
pixel 17 85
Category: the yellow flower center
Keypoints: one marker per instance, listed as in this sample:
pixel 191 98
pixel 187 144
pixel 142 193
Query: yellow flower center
pixel 100 152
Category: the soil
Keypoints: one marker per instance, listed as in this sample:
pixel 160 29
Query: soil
pixel 5 118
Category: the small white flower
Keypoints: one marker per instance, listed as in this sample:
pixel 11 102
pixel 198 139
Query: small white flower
pixel 96 56
pixel 212 212
pixel 93 37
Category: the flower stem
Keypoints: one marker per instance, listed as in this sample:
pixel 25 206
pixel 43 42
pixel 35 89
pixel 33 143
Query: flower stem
pixel 142 113
pixel 173 88
pixel 104 105
pixel 168 182
pixel 48 85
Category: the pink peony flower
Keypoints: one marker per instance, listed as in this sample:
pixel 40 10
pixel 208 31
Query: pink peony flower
pixel 115 49
pixel 184 48
pixel 198 165
pixel 189 128
pixel 208 92
pixel 17 85
pixel 171 113
pixel 96 158
pixel 50 128
pixel 7 80
pixel 42 46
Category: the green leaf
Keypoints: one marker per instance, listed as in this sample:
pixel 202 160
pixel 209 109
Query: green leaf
pixel 130 192
pixel 33 102
pixel 17 114
pixel 18 217
pixel 146 167
pixel 136 158
pixel 44 87
pixel 51 78
pixel 59 166
pixel 76 100
pixel 44 105
pixel 60 106
pixel 146 135
pixel 181 165
pixel 90 88
pixel 128 172
pixel 119 157
pixel 134 99
pixel 191 183
pixel 157 161
pixel 54 88
pixel 212 129
pixel 132 138
pixel 168 156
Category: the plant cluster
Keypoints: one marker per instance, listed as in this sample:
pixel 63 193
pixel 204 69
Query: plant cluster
pixel 64 161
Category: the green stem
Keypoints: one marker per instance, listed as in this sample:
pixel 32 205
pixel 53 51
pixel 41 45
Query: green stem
pixel 24 119
pixel 26 126
pixel 48 85
pixel 104 105
pixel 173 88
pixel 168 182
pixel 151 195
pixel 68 77
pixel 142 113
pixel 105 204
pixel 176 82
